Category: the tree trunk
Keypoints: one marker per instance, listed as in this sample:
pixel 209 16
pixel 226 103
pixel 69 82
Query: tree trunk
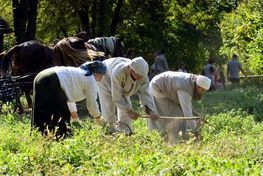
pixel 101 19
pixel 94 19
pixel 32 18
pixel 83 14
pixel 19 13
pixel 115 18
pixel 25 16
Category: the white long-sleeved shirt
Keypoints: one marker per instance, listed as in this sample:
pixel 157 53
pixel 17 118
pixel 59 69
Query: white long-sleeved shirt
pixel 77 87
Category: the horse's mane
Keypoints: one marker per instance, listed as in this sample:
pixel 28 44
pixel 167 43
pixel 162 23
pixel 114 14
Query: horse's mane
pixel 108 44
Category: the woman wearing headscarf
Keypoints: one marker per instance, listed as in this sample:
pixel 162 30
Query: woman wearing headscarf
pixel 123 79
pixel 173 93
pixel 56 86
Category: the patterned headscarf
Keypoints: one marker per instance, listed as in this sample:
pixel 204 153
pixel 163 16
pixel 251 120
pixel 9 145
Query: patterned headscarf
pixel 94 67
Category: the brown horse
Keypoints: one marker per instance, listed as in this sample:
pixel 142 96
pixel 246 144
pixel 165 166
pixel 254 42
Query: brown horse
pixel 73 50
pixel 26 58
pixel 31 57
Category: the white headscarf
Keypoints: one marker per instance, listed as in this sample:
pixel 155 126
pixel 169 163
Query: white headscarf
pixel 203 81
pixel 139 66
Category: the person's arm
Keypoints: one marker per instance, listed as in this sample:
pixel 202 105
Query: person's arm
pixel 212 70
pixel 72 106
pixel 146 100
pixel 227 73
pixel 185 100
pixel 91 92
pixel 121 101
pixel 243 71
pixel 151 113
pixel 166 63
pixel 73 110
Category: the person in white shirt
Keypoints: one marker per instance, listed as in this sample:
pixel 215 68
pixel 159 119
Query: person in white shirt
pixel 173 93
pixel 54 87
pixel 123 79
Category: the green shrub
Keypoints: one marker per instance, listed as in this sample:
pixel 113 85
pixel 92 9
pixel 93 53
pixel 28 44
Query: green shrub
pixel 231 144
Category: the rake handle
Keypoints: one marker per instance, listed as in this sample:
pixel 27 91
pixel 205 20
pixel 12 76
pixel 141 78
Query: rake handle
pixel 176 118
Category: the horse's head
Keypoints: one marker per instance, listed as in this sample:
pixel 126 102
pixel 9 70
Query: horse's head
pixel 111 46
pixel 75 42
pixel 85 35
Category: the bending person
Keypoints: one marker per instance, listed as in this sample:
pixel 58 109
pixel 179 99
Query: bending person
pixel 123 79
pixel 56 86
pixel 173 93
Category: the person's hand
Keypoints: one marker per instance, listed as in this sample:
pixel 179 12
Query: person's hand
pixel 154 116
pixel 132 114
pixel 75 122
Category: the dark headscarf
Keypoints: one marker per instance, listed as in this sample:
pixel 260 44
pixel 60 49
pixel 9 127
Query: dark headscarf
pixel 94 67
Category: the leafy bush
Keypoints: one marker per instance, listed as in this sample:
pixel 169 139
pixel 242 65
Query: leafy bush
pixel 245 98
pixel 242 34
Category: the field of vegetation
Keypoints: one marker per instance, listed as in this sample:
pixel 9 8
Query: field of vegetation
pixel 231 144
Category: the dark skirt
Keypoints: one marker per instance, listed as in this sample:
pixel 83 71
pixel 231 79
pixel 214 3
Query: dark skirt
pixel 50 110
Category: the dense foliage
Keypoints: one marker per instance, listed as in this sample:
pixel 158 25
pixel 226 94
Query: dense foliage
pixel 242 33
pixel 190 31
pixel 231 144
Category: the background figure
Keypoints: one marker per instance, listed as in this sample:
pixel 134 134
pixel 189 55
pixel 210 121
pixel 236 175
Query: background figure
pixel 123 79
pixel 173 93
pixel 181 67
pixel 55 86
pixel 219 79
pixel 130 53
pixel 160 64
pixel 209 71
pixel 233 69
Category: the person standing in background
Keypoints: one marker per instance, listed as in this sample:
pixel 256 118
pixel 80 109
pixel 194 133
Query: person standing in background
pixel 130 53
pixel 233 69
pixel 160 64
pixel 209 71
pixel 181 67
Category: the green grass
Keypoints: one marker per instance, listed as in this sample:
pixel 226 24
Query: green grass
pixel 231 144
